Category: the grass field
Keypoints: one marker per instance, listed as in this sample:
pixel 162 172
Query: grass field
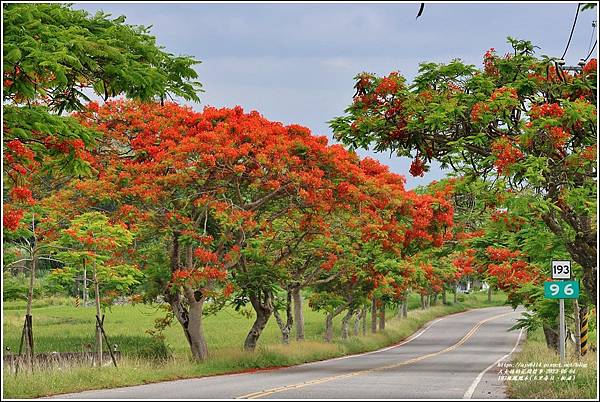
pixel 584 386
pixel 59 326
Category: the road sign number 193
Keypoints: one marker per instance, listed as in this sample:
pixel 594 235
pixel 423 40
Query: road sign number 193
pixel 561 269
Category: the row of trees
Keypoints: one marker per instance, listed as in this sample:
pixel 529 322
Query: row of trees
pixel 230 207
pixel 522 132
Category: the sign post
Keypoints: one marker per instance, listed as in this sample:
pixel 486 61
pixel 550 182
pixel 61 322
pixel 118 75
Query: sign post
pixel 561 327
pixel 561 290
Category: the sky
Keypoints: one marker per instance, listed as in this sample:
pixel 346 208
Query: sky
pixel 295 63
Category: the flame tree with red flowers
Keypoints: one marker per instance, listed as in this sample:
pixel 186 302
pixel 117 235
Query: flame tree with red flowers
pixel 393 223
pixel 214 183
pixel 43 79
pixel 519 123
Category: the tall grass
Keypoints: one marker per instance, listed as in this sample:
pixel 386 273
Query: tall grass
pixel 65 328
pixel 584 385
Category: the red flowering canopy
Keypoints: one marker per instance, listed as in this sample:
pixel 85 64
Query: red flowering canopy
pixel 518 122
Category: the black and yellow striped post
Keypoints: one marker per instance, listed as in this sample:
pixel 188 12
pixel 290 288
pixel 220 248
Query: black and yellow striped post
pixel 77 301
pixel 583 320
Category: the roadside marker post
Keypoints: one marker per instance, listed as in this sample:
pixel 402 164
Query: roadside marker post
pixel 584 331
pixel 561 290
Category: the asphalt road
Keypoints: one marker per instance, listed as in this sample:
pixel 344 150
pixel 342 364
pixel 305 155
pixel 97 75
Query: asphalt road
pixel 452 357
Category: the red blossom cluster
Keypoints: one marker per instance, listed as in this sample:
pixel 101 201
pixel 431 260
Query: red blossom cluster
pixel 590 152
pixel 462 236
pixel 330 262
pixel 198 276
pixel 512 275
pixel 505 153
pixel 489 65
pixel 591 67
pixel 478 109
pixel 501 253
pixel 546 110
pixel 11 217
pixel 464 263
pixel 22 194
pixel 18 149
pixel 559 137
pixel 388 85
pixel 205 256
pixel 417 167
pixel 504 91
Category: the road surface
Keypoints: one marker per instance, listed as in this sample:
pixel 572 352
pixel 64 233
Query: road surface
pixel 452 357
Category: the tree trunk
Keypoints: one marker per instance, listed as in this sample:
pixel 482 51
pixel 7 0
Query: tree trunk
pixel 576 313
pixel 577 328
pixel 589 282
pixel 364 321
pixel 191 323
pixel 28 324
pixel 454 296
pixel 328 327
pixel 489 294
pixel 405 307
pixel 444 299
pixel 551 336
pixel 195 329
pixel 85 291
pixel 428 300
pixel 423 302
pixel 345 321
pixel 286 327
pixel 433 299
pixel 357 321
pixel 189 319
pixel 382 317
pixel 298 313
pixel 400 307
pixel 374 316
pixel 263 309
pixel 31 283
pixel 98 313
pixel 329 322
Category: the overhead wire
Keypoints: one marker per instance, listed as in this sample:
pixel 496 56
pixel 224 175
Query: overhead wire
pixel 591 51
pixel 592 35
pixel 572 30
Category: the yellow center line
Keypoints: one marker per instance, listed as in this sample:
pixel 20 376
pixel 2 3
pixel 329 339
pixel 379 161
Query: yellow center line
pixel 469 334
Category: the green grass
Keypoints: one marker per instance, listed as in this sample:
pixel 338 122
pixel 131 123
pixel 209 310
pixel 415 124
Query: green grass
pixel 62 327
pixel 534 350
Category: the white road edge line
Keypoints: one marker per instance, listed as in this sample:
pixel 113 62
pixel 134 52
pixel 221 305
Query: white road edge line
pixel 475 383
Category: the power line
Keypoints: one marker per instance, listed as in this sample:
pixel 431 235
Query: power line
pixel 592 36
pixel 591 51
pixel 572 30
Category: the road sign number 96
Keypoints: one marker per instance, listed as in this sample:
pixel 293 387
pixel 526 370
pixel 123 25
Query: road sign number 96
pixel 561 290
pixel 555 290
